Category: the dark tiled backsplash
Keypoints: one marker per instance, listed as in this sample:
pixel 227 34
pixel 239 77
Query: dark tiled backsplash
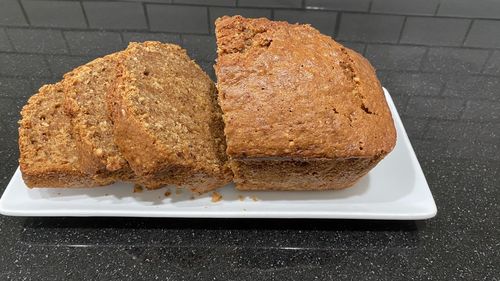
pixel 339 5
pixel 324 21
pixel 440 59
pixel 124 15
pixel 43 41
pixel 65 14
pixel 408 7
pixel 434 31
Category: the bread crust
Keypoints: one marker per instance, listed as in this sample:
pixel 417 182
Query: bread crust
pixel 288 91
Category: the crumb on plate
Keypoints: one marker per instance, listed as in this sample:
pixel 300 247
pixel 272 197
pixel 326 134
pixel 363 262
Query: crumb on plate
pixel 168 193
pixel 216 196
pixel 254 198
pixel 241 197
pixel 137 188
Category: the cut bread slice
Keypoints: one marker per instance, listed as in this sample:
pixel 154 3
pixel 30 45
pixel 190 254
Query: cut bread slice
pixel 48 154
pixel 167 122
pixel 86 88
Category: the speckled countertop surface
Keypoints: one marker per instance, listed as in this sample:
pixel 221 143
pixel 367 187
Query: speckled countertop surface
pixel 440 59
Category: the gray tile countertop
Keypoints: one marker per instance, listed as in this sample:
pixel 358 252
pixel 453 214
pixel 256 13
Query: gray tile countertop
pixel 440 60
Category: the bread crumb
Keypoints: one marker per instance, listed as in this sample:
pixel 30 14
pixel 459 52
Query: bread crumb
pixel 241 197
pixel 254 198
pixel 216 196
pixel 167 193
pixel 137 188
pixel 105 194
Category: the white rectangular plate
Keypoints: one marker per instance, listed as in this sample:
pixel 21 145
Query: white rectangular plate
pixel 395 189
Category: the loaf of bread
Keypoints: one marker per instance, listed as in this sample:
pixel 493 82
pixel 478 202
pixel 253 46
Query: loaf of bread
pixel 48 152
pixel 85 101
pixel 167 123
pixel 301 111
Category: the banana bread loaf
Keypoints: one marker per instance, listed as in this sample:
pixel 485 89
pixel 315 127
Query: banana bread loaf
pixel 48 154
pixel 167 123
pixel 301 111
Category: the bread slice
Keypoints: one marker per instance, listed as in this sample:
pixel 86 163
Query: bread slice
pixel 48 154
pixel 85 101
pixel 167 123
pixel 301 111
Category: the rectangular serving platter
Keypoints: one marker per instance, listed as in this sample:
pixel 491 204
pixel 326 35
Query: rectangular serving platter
pixel 394 190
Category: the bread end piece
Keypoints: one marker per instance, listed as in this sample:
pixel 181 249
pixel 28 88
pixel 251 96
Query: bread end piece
pixel 48 154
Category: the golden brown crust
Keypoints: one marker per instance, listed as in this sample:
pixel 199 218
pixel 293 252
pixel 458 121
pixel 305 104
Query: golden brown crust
pixel 166 123
pixel 48 154
pixel 301 111
pixel 288 91
pixel 85 101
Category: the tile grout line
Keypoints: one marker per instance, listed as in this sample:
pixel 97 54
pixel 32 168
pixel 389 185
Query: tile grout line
pixel 467 32
pixel 423 59
pixel 23 10
pixel 146 15
pixel 434 15
pixel 84 14
pixel 437 9
pixel 65 41
pixel 65 29
pixel 402 29
pixel 325 10
pixel 208 23
pixel 337 25
pixel 370 5
pixel 485 64
pixel 122 38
